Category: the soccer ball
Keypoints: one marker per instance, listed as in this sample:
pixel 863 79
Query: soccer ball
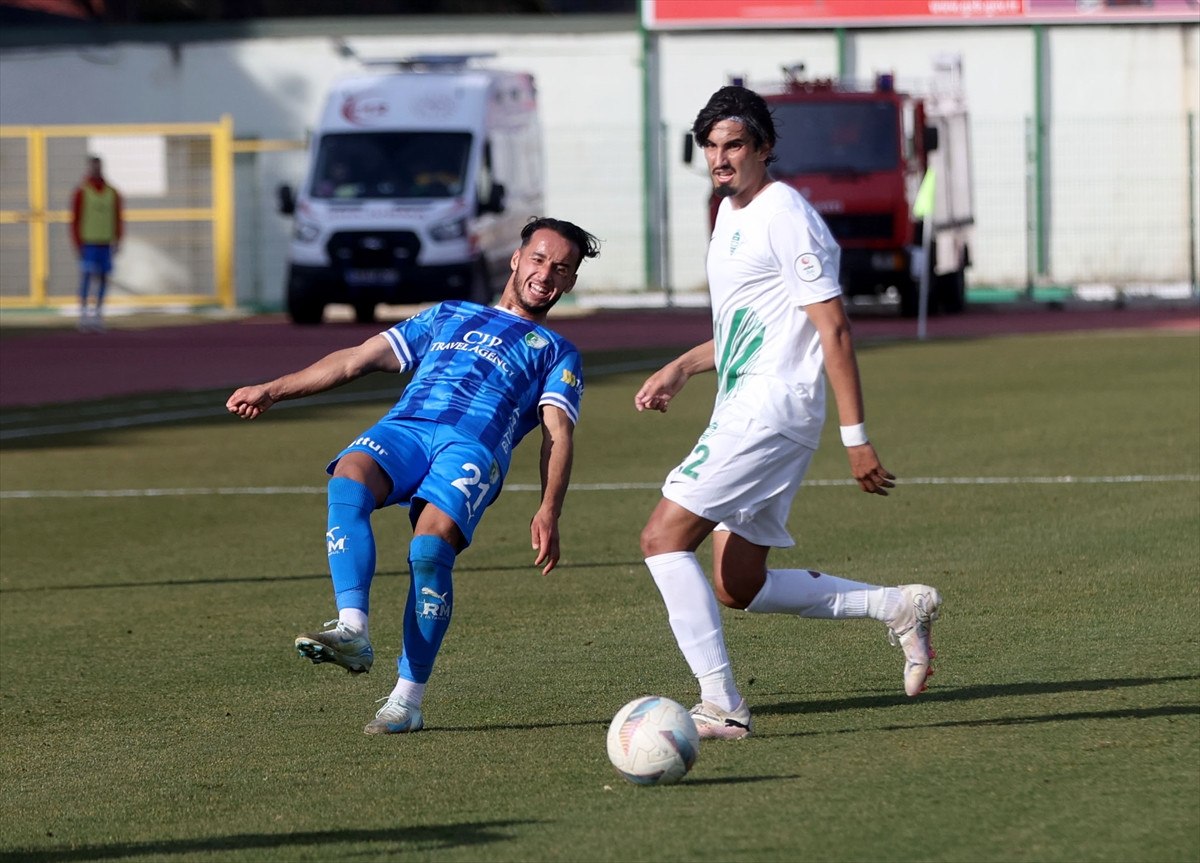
pixel 653 741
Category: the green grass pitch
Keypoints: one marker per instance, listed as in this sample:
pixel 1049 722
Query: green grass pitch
pixel 153 707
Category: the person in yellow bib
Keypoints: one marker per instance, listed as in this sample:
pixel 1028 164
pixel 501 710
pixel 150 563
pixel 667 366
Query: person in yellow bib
pixel 96 230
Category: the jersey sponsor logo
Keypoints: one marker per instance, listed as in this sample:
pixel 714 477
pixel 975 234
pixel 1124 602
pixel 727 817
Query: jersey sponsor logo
pixel 506 442
pixel 735 241
pixel 808 267
pixel 475 337
pixel 370 444
pixel 335 544
pixel 535 341
pixel 572 380
pixel 480 344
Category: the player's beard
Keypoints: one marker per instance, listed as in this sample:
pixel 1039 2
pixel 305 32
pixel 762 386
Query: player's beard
pixel 726 188
pixel 536 309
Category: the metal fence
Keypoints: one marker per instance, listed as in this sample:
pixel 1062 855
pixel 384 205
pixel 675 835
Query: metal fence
pixel 176 187
pixel 1084 203
pixel 1087 202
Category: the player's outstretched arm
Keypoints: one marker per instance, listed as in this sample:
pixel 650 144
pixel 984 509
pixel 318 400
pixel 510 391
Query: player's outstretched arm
pixel 841 367
pixel 558 454
pixel 333 370
pixel 658 390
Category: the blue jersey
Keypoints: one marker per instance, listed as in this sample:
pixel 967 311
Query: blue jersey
pixel 484 371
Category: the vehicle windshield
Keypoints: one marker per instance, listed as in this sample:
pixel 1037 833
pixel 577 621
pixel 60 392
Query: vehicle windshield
pixel 362 165
pixel 833 137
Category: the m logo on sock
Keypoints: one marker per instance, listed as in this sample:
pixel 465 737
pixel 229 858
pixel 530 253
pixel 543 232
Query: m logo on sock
pixel 335 544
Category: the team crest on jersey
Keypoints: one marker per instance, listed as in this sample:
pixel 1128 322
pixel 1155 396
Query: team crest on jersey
pixel 808 267
pixel 735 241
pixel 535 341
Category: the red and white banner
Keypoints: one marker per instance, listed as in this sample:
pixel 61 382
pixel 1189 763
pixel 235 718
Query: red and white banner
pixel 771 14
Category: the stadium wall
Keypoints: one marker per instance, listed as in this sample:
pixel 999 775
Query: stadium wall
pixel 1121 104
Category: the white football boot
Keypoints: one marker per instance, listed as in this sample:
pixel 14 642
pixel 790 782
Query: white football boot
pixel 714 723
pixel 910 630
pixel 341 646
pixel 395 717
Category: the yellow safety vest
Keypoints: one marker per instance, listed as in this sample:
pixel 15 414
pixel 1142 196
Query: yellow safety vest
pixel 98 215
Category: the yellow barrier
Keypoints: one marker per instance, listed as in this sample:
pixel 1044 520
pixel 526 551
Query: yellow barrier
pixel 186 226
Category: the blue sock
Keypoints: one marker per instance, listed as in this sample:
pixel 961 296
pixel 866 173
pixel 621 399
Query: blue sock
pixel 427 610
pixel 350 542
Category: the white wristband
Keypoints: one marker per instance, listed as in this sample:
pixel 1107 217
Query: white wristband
pixel 854 435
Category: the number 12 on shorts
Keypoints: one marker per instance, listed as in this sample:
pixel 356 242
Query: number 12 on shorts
pixel 689 467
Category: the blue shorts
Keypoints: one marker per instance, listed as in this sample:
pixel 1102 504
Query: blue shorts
pixel 428 462
pixel 96 259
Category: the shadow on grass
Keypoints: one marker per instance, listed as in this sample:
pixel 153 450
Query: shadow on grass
pixel 962 693
pixel 512 726
pixel 1000 691
pixel 737 780
pixel 970 693
pixel 1131 713
pixel 320 576
pixel 430 838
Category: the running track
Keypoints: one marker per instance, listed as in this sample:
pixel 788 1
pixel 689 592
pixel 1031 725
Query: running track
pixel 66 366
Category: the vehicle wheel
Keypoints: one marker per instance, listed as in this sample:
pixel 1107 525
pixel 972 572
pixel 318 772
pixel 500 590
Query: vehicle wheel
pixel 480 290
pixel 951 292
pixel 304 304
pixel 364 312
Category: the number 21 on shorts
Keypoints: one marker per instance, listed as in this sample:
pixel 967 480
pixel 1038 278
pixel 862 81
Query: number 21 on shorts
pixel 473 486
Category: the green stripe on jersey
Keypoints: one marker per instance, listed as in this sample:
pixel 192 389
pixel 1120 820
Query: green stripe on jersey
pixel 740 344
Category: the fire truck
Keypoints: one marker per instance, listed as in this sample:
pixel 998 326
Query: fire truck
pixel 859 156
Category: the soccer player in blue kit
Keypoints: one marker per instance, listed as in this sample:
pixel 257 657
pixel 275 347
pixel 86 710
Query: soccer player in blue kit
pixel 483 378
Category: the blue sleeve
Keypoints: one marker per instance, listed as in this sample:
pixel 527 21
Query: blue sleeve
pixel 563 387
pixel 410 339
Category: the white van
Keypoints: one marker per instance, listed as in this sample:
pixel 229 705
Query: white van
pixel 418 185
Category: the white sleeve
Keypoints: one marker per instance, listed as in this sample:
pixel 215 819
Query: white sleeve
pixel 809 267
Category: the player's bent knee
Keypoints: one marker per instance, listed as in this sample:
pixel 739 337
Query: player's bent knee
pixel 729 600
pixel 649 541
pixel 736 589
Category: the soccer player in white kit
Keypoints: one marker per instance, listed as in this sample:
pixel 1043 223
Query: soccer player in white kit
pixel 779 329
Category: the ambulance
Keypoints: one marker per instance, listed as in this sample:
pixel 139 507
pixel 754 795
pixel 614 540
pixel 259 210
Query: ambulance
pixel 419 181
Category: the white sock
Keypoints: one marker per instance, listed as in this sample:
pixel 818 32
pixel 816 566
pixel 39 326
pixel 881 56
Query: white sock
pixel 808 593
pixel 354 618
pixel 696 621
pixel 409 691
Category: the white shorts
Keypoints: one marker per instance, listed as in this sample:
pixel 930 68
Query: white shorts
pixel 743 476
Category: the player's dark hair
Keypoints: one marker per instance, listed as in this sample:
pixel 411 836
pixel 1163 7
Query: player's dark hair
pixel 744 106
pixel 586 244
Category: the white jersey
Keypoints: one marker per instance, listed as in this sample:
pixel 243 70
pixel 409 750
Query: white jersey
pixel 766 261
